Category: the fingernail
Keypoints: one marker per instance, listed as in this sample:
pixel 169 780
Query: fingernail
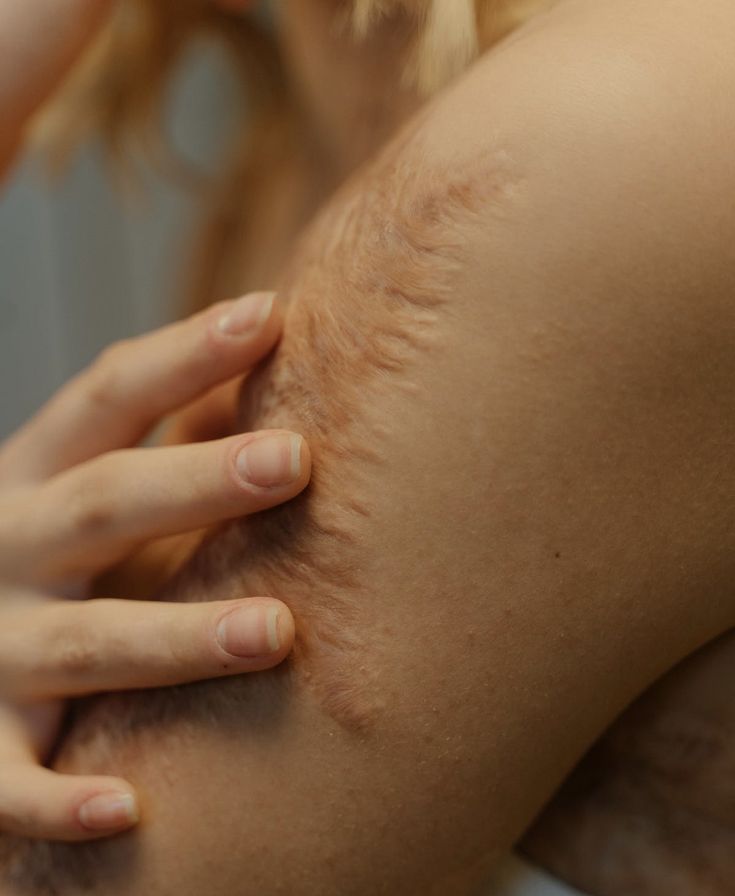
pixel 271 460
pixel 247 315
pixel 109 811
pixel 249 631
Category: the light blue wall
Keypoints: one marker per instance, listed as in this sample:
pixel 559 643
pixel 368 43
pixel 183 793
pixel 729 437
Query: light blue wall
pixel 80 267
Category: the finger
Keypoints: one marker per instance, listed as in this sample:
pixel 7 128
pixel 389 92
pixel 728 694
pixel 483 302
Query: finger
pixel 68 649
pixel 84 520
pixel 36 802
pixel 133 384
pixel 39 41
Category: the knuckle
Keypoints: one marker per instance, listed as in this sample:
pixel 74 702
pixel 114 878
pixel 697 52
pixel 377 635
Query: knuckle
pixel 77 658
pixel 93 498
pixel 89 511
pixel 104 380
pixel 179 651
pixel 72 652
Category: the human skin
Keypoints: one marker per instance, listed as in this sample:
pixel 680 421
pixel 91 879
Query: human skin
pixel 511 353
pixel 78 495
pixel 650 810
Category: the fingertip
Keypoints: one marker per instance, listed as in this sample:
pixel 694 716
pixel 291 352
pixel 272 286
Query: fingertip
pixel 247 318
pixel 271 326
pixel 273 465
pixel 110 810
pixel 284 628
pixel 242 332
pixel 276 316
pixel 42 804
pixel 305 464
pixel 257 630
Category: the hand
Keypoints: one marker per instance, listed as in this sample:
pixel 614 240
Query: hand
pixel 76 498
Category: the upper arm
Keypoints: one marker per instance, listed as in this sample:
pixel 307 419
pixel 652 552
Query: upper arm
pixel 511 352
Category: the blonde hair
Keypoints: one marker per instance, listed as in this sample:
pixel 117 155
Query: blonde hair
pixel 450 33
pixel 118 89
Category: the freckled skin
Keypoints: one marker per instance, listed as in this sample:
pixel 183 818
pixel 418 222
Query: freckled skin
pixel 452 669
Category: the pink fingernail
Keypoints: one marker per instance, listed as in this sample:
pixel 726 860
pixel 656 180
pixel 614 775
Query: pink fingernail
pixel 271 461
pixel 249 632
pixel 246 316
pixel 109 811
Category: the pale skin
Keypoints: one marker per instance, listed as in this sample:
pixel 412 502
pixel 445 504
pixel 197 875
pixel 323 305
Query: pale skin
pixel 77 497
pixel 650 811
pixel 569 416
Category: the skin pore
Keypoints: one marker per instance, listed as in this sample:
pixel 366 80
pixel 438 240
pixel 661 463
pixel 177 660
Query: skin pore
pixel 524 450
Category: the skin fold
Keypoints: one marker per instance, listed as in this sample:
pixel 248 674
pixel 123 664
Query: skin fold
pixel 510 350
pixel 650 809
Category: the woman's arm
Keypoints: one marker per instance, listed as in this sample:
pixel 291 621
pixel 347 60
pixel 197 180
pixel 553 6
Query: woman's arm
pixel 511 349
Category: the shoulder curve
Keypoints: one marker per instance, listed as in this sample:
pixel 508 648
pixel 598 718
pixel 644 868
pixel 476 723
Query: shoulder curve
pixel 597 94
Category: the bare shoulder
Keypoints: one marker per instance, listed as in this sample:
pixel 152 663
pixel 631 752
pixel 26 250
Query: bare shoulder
pixel 697 37
pixel 602 133
pixel 658 76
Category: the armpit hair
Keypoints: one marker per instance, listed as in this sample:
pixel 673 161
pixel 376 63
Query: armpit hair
pixel 391 249
pixel 368 285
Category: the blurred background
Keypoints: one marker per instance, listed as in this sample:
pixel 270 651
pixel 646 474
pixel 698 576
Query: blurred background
pixel 82 262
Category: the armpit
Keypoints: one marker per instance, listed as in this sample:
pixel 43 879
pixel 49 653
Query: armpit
pixel 370 293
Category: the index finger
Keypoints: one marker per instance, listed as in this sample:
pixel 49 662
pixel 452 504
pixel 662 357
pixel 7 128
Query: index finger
pixel 133 384
pixel 39 41
pixel 72 649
